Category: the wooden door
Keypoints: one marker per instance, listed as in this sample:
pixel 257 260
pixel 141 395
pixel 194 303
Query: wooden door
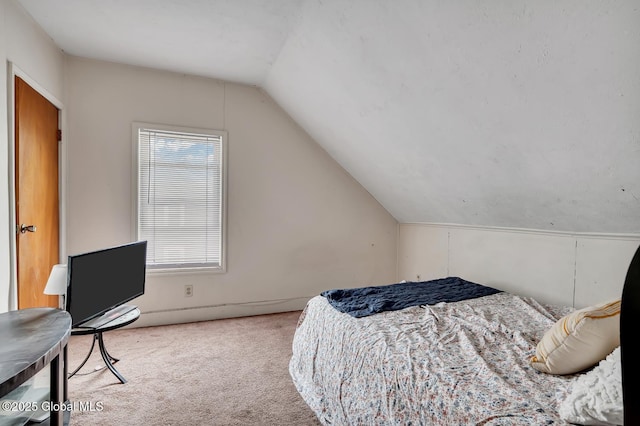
pixel 37 209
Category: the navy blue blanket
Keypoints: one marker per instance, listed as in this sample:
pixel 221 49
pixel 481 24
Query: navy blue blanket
pixel 361 302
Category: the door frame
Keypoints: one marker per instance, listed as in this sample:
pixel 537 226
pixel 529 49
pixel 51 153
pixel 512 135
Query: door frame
pixel 13 72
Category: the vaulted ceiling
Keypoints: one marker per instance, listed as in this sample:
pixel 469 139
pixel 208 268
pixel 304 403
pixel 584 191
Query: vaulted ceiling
pixel 516 114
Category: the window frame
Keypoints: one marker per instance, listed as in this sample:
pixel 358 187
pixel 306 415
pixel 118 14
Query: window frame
pixel 135 128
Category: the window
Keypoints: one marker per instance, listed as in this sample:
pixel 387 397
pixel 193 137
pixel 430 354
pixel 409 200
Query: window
pixel 180 195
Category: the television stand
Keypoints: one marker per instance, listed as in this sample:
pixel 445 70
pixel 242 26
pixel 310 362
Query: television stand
pixel 119 320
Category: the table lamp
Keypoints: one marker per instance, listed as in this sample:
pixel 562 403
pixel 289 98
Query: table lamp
pixel 57 283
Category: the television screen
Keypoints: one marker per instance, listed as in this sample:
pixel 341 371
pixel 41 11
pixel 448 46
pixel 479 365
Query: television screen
pixel 101 280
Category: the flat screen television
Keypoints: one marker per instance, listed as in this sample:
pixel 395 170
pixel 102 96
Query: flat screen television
pixel 101 280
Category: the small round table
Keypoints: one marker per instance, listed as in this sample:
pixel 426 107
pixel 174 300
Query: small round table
pixel 109 360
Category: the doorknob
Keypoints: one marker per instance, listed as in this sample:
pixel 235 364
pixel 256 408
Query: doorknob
pixel 24 228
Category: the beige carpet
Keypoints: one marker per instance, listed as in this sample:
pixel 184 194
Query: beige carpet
pixel 223 372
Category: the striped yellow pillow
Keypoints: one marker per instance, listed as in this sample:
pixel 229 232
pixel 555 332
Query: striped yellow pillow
pixel 579 340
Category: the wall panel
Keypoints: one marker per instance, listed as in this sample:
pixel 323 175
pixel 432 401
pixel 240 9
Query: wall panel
pixel 562 268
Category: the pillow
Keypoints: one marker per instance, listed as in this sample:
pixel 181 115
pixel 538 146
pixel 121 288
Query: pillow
pixel 579 340
pixel 596 397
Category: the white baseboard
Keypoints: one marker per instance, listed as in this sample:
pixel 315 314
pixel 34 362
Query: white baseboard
pixel 207 313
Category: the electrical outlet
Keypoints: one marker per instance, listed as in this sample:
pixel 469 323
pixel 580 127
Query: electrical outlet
pixel 188 290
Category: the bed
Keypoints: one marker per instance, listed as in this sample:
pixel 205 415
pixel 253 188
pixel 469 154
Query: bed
pixel 488 359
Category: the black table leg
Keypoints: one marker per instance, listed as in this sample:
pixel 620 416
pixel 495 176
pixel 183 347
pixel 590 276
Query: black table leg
pixel 65 393
pixel 57 389
pixel 93 343
pixel 108 359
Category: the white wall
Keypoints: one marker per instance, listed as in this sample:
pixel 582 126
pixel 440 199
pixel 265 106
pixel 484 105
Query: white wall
pixel 554 267
pixel 297 222
pixel 5 234
pixel 30 53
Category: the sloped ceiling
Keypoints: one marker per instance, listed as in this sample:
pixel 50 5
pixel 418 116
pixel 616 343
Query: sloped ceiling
pixel 516 114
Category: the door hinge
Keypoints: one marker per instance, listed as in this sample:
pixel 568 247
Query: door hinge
pixel 59 135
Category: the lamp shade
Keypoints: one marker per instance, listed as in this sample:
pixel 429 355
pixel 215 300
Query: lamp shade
pixel 57 283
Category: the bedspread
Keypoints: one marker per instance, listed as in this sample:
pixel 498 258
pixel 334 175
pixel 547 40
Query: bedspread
pixel 460 363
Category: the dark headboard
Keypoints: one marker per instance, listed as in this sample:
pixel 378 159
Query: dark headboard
pixel 629 352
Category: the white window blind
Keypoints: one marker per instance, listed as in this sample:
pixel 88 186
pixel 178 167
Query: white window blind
pixel 180 196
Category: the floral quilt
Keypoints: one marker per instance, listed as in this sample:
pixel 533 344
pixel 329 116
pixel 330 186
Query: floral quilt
pixel 460 363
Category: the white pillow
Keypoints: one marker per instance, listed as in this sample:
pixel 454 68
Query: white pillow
pixel 579 340
pixel 596 397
